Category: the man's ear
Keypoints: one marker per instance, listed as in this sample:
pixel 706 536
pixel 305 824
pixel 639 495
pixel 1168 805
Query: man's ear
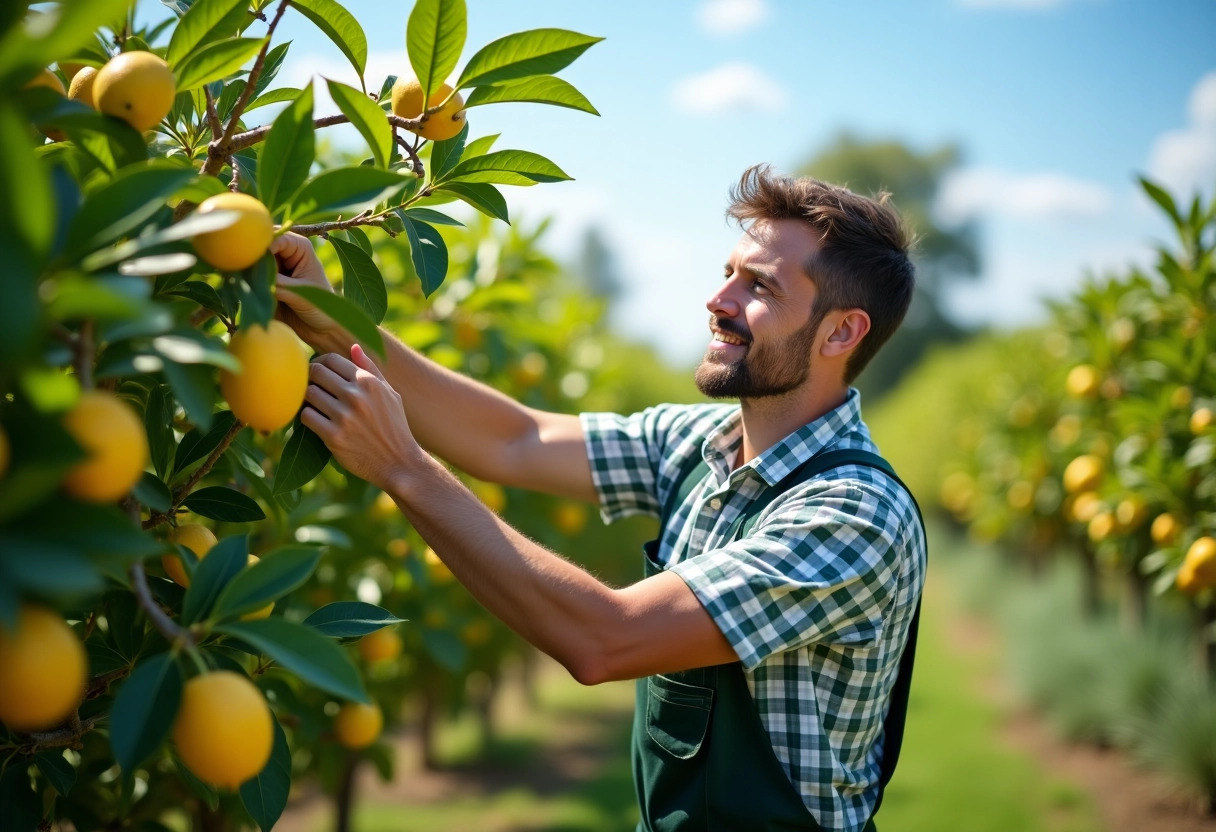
pixel 849 326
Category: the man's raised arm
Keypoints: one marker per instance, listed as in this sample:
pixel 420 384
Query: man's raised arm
pixel 472 426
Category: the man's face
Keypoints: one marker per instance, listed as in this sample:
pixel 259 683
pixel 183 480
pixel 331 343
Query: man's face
pixel 761 316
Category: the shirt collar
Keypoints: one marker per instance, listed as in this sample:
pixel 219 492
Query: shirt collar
pixel 723 442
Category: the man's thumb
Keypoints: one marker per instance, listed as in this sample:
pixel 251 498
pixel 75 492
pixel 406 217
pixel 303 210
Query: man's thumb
pixel 363 362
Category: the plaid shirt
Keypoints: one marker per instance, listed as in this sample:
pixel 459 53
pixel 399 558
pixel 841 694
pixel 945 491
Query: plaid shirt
pixel 816 601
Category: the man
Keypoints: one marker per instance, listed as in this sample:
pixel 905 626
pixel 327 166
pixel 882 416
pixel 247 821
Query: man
pixel 768 653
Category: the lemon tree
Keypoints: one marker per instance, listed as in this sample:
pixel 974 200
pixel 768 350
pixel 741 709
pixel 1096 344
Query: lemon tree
pixel 161 612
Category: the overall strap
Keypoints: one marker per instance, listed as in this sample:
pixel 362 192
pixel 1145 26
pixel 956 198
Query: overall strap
pixel 692 471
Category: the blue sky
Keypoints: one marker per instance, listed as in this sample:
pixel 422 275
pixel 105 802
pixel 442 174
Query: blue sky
pixel 1057 105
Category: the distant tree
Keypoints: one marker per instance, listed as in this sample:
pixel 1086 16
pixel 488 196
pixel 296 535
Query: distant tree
pixel 943 256
pixel 596 268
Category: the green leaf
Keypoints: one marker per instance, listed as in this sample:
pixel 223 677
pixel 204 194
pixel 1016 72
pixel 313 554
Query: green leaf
pixel 215 61
pixel 428 253
pixel 317 660
pixel 225 504
pixel 480 146
pixel 344 190
pixel 362 282
pixel 154 265
pixel 432 216
pixel 288 153
pixel 26 200
pixel 201 293
pixel 144 709
pixel 274 96
pixel 272 577
pixel 434 38
pixel 198 444
pixel 270 67
pixel 485 198
pixel 257 294
pixel 340 26
pixel 541 89
pixel 194 388
pixel 212 573
pixel 507 167
pixel 304 457
pixel 22 805
pixel 134 195
pixel 346 313
pixel 56 770
pixel 445 154
pixel 152 492
pixel 535 52
pixel 206 20
pixel 367 117
pixel 158 419
pixel 265 796
pixel 1162 197
pixel 350 619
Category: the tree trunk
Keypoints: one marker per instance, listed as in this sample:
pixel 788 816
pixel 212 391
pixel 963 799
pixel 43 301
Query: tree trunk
pixel 527 676
pixel 1135 605
pixel 1207 645
pixel 484 706
pixel 211 820
pixel 1091 599
pixel 344 799
pixel 427 723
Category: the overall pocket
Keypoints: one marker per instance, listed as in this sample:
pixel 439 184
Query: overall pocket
pixel 677 715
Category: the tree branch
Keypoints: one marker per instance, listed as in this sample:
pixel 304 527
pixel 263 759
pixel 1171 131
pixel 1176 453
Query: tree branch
pixel 66 737
pixel 213 118
pixel 249 138
pixel 320 229
pixel 183 491
pixel 175 634
pixel 218 151
pixel 412 152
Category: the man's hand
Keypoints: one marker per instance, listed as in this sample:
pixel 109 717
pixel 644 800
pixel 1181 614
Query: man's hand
pixel 299 266
pixel 359 416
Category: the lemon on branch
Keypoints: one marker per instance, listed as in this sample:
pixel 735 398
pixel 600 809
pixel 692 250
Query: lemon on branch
pixel 42 670
pixel 1083 474
pixel 241 244
pixel 1198 570
pixel 442 124
pixel 223 730
pixel 81 88
pixel 1165 529
pixel 358 726
pixel 269 388
pixel 117 447
pixel 137 87
pixel 380 646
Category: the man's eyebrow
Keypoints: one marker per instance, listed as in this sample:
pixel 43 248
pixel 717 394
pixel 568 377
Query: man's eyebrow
pixel 763 274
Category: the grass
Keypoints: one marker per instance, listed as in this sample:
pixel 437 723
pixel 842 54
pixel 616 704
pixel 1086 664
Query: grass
pixel 955 771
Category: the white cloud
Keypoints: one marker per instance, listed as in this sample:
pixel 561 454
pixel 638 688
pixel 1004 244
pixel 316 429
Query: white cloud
pixel 974 192
pixel 732 87
pixel 1184 161
pixel 731 17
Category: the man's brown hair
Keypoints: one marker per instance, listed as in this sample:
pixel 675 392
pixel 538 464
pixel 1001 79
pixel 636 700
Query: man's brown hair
pixel 862 261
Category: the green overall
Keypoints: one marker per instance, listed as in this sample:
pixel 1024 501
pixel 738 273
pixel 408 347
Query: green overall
pixel 702 758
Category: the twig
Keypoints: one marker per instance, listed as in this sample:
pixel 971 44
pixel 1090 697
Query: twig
pixel 100 684
pixel 66 737
pixel 322 228
pixel 213 118
pixel 82 358
pixel 175 634
pixel 183 491
pixel 412 152
pixel 218 151
pixel 234 184
pixel 249 138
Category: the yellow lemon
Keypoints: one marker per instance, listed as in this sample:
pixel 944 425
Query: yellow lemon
pixel 1083 474
pixel 381 646
pixel 1165 529
pixel 47 79
pixel 358 726
pixel 440 125
pixel 1100 526
pixel 1085 506
pixel 113 437
pixel 1199 568
pixel 1083 381
pixel 137 87
pixel 81 88
pixel 196 538
pixel 1131 512
pixel 1020 495
pixel 43 669
pixel 1201 420
pixel 269 389
pixel 241 244
pixel 223 731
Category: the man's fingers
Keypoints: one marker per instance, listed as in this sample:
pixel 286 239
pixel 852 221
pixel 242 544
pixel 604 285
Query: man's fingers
pixel 338 365
pixel 322 376
pixel 363 362
pixel 322 400
pixel 315 421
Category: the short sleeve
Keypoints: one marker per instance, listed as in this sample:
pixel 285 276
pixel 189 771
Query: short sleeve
pixel 821 566
pixel 625 453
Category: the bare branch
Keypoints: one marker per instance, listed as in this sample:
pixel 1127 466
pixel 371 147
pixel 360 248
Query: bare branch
pixel 240 141
pixel 320 229
pixel 170 629
pixel 213 118
pixel 412 152
pixel 66 737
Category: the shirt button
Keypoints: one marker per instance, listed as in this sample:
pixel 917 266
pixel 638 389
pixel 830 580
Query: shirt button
pixel 715 504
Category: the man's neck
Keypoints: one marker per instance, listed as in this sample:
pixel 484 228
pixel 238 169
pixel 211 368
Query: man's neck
pixel 768 420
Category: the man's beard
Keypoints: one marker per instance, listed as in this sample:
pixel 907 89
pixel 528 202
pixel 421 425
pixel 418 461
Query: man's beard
pixel 762 371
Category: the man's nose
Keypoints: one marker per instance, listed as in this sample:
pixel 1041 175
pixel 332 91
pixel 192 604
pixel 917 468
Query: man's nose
pixel 723 301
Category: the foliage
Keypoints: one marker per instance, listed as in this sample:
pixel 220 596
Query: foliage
pixel 103 289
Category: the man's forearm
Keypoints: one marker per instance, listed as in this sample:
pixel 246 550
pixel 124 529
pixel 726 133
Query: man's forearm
pixel 552 603
pixel 461 420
